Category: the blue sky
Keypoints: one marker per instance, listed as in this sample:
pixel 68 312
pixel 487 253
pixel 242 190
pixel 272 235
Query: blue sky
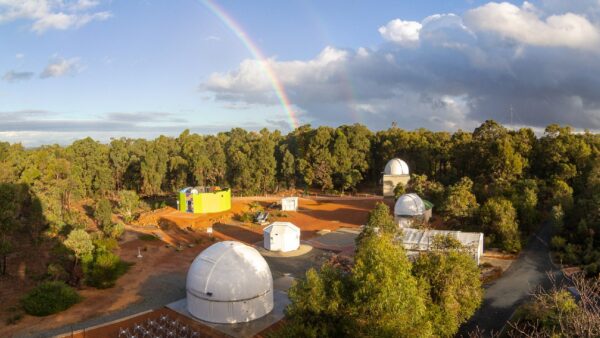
pixel 136 68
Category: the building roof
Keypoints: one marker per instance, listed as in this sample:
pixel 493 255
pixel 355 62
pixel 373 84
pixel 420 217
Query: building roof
pixel 421 239
pixel 229 271
pixel 281 227
pixel 409 205
pixel 396 167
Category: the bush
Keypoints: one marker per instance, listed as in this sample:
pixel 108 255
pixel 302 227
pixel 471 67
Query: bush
pixel 105 269
pixel 49 297
pixel 114 230
pixel 147 237
pixel 558 242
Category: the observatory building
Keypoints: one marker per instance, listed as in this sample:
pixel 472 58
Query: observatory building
pixel 419 240
pixel 281 236
pixel 289 204
pixel 410 208
pixel 204 200
pixel 396 171
pixel 229 282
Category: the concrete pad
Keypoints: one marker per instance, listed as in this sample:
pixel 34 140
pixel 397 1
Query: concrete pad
pixel 334 241
pixel 303 249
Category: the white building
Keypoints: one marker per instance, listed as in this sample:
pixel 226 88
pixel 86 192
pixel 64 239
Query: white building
pixel 289 204
pixel 420 240
pixel 229 282
pixel 410 208
pixel 281 236
pixel 396 171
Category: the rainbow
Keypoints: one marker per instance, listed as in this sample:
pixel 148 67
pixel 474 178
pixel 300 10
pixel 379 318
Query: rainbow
pixel 237 29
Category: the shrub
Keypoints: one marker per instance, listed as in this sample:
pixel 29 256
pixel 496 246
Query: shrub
pixel 114 230
pixel 49 297
pixel 147 237
pixel 558 242
pixel 105 269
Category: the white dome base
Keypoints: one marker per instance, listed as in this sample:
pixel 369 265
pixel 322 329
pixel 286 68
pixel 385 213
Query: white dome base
pixel 230 312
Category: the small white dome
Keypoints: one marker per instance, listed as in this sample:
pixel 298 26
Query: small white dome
pixel 396 167
pixel 409 205
pixel 229 282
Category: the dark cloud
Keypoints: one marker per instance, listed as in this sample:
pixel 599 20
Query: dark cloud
pixel 456 75
pixel 145 116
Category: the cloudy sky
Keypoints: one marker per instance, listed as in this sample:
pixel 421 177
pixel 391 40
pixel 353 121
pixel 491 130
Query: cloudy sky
pixel 140 68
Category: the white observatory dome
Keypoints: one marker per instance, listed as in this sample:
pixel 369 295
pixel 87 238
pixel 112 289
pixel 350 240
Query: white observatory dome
pixel 229 282
pixel 396 167
pixel 409 205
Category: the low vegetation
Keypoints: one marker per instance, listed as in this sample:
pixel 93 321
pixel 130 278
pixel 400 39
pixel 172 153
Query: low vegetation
pixel 383 294
pixel 49 298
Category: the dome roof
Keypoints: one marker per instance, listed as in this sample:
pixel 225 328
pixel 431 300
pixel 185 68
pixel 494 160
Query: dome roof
pixel 409 205
pixel 396 167
pixel 229 271
pixel 281 227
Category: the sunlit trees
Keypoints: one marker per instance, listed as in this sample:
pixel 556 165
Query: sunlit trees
pixel 460 204
pixel 377 297
pixel 380 221
pixel 499 221
pixel 128 203
pixel 80 242
pixel 455 290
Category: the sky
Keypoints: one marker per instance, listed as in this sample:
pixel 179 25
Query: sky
pixel 141 68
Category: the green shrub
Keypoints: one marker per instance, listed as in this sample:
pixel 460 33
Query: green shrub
pixel 114 230
pixel 105 269
pixel 147 237
pixel 49 297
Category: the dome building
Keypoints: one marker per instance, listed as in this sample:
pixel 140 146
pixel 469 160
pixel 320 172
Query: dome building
pixel 281 236
pixel 395 171
pixel 410 208
pixel 229 282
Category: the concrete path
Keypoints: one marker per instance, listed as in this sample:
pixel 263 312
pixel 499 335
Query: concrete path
pixel 503 296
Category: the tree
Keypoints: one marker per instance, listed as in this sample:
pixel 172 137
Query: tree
pixel 455 290
pixel 399 190
pixel 10 196
pixel 460 204
pixel 388 300
pixel 380 220
pixel 103 213
pixel 288 169
pixel 498 220
pixel 80 242
pixel 129 202
pixel 377 297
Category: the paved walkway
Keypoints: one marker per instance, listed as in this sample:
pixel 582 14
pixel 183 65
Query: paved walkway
pixel 503 296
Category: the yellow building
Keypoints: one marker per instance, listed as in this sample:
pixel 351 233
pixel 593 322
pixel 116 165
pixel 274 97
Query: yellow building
pixel 204 200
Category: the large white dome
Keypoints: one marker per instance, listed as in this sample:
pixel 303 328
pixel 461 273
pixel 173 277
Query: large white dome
pixel 409 205
pixel 396 167
pixel 229 282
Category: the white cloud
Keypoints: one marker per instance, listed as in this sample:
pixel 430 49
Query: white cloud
pixel 60 67
pixel 51 14
pixel 455 74
pixel 527 25
pixel 19 56
pixel 401 32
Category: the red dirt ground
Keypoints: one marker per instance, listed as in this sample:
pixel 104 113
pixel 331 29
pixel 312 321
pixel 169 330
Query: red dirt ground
pixel 313 215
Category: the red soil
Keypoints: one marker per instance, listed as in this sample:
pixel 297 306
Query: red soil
pixel 313 215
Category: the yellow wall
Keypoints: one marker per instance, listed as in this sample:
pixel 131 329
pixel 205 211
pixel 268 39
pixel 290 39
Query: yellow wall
pixel 208 202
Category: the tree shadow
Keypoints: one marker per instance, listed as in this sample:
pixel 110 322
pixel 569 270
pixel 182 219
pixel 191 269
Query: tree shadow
pixel 237 232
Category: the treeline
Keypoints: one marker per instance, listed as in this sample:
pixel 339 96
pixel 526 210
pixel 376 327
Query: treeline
pixel 492 179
